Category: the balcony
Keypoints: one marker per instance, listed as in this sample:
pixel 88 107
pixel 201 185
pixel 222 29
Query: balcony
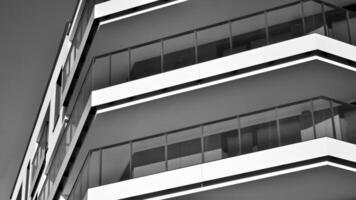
pixel 186 49
pixel 223 39
pixel 221 139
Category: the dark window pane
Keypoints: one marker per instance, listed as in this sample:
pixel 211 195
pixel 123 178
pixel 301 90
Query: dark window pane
pixel 352 21
pixel 146 60
pixel 115 164
pixel 221 140
pixel 213 43
pixel 184 148
pixel 337 23
pixel 295 123
pixel 285 23
pixel 258 131
pixel 148 156
pixel 101 73
pixel 249 33
pixel 313 17
pixel 322 118
pixel 94 169
pixel 179 52
pixel 120 67
pixel 345 118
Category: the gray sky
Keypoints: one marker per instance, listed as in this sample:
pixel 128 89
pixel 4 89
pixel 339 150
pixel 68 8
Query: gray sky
pixel 30 32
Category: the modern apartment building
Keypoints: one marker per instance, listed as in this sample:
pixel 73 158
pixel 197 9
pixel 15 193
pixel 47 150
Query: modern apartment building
pixel 198 99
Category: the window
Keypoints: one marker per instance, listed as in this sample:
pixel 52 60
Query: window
pixel 19 195
pixel 58 99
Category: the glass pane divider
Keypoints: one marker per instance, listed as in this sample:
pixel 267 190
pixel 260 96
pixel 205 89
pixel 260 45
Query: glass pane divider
pixel 239 135
pixel 303 17
pixel 278 127
pixel 202 143
pixel 196 46
pixel 332 119
pixel 266 27
pixel 313 117
pixel 230 37
pixel 348 26
pixel 166 150
pixel 326 29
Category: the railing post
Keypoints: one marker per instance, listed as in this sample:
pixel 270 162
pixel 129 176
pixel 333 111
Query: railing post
pixel 348 26
pixel 313 117
pixel 162 56
pixel 100 166
pixel 230 37
pixel 303 17
pixel 278 127
pixel 166 150
pixel 326 29
pixel 131 158
pixel 129 68
pixel 266 27
pixel 332 118
pixel 110 70
pixel 196 46
pixel 202 143
pixel 239 143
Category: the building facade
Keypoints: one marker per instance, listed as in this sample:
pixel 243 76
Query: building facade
pixel 198 99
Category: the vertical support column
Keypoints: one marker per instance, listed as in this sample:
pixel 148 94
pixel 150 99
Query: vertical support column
pixel 266 27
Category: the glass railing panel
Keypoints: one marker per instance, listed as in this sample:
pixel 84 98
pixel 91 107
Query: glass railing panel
pixel 295 123
pixel 249 33
pixel 352 24
pixel 345 118
pixel 323 118
pixel 213 42
pixel 84 181
pixel 115 164
pixel 336 21
pixel 146 60
pixel 258 131
pixel 184 148
pixel 179 52
pixel 94 169
pixel 120 65
pixel 101 73
pixel 221 140
pixel 148 156
pixel 285 23
pixel 313 17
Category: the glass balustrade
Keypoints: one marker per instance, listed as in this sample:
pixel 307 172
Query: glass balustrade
pixel 222 39
pixel 242 134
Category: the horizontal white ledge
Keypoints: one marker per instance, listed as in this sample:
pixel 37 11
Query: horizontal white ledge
pixel 229 167
pixel 226 64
